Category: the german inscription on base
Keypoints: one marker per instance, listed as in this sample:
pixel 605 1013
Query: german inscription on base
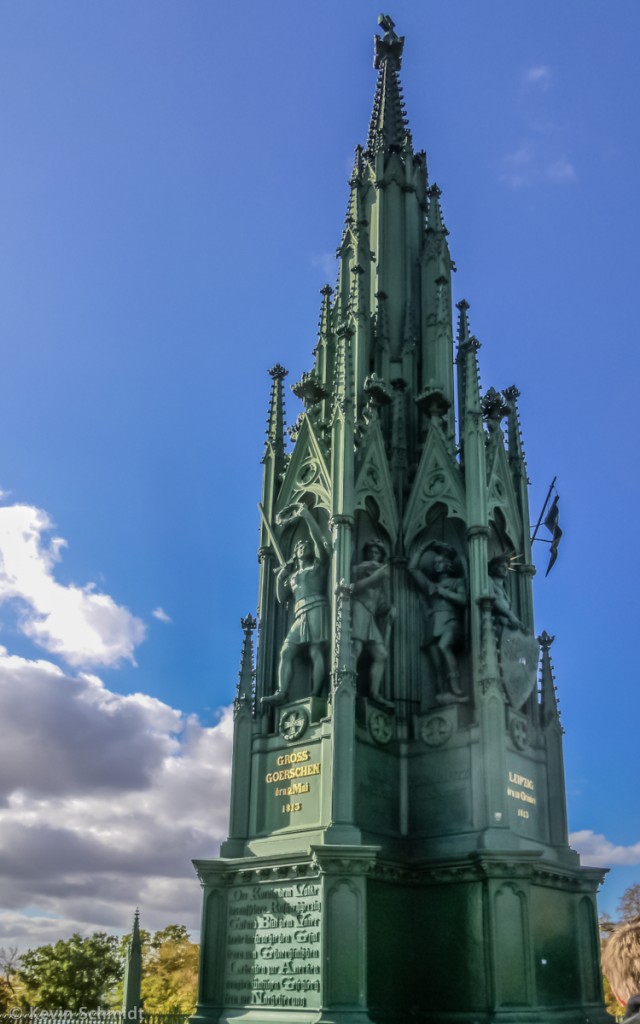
pixel 273 946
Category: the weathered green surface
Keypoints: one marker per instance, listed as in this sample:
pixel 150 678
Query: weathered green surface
pixel 131 989
pixel 398 837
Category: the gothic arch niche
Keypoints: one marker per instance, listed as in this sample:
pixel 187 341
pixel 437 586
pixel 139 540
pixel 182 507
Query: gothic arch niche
pixel 213 942
pixel 513 985
pixel 438 600
pixel 345 931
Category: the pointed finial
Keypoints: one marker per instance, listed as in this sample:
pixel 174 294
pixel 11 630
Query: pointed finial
pixel 278 372
pixel 545 640
pixel 548 698
pixel 275 418
pixel 494 408
pixel 324 320
pixel 516 448
pixel 358 167
pixel 464 333
pixel 131 994
pixel 388 126
pixel 435 222
pixel 244 692
pixel 390 46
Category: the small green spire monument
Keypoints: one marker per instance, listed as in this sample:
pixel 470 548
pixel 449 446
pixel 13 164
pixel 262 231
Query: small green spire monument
pixel 132 986
pixel 398 836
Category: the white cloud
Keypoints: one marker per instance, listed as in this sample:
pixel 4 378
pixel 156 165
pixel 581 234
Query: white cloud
pixel 518 167
pixel 539 74
pixel 532 164
pixel 161 615
pixel 327 264
pixel 561 170
pixel 105 800
pixel 596 850
pixel 80 624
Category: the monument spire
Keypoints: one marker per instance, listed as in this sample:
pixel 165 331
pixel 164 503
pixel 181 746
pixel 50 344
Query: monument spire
pixel 131 991
pixel 388 125
pixel 399 765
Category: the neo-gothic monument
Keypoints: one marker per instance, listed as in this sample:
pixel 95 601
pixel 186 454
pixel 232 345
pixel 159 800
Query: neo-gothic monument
pixel 398 837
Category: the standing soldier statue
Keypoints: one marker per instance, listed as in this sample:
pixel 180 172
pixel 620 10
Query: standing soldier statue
pixel 446 593
pixel 305 577
pixel 372 614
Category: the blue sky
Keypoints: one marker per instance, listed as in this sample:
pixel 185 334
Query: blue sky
pixel 173 182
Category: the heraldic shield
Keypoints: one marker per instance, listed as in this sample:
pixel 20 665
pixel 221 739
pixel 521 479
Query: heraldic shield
pixel 519 654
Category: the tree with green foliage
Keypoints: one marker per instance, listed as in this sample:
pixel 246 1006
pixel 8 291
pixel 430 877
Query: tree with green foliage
pixel 169 970
pixel 629 904
pixel 75 974
pixel 9 981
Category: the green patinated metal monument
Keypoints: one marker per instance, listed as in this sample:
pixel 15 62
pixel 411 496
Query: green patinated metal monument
pixel 398 835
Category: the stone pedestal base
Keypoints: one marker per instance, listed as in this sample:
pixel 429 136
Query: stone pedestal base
pixel 340 935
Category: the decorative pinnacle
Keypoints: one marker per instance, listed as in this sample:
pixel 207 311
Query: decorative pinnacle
pixel 516 447
pixel 275 418
pixel 435 222
pixel 358 166
pixel 244 691
pixel 463 323
pixel 388 128
pixel 494 407
pixel 278 372
pixel 545 640
pixel 548 693
pixel 390 46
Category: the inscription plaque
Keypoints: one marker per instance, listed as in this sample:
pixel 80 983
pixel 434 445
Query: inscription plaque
pixel 290 788
pixel 274 949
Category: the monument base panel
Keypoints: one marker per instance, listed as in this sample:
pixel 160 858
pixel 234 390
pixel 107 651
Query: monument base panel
pixel 342 936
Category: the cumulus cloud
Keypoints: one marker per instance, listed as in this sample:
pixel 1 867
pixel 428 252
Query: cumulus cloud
pixel 161 615
pixel 105 800
pixel 597 850
pixel 80 624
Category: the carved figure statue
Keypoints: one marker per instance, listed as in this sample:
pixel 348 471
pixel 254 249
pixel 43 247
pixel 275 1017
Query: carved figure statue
pixel 372 614
pixel 305 578
pixel 502 613
pixel 517 648
pixel 438 574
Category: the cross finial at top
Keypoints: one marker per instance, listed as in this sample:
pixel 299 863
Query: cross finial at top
pixel 389 45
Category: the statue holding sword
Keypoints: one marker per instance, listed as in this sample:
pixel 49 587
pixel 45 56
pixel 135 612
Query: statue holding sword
pixel 303 577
